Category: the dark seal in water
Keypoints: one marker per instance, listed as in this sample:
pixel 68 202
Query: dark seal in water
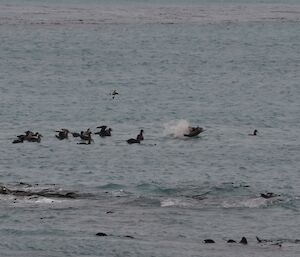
pixel 209 241
pixel 101 234
pixel 244 241
pixel 194 131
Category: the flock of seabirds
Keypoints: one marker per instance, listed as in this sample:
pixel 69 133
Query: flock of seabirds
pixel 86 136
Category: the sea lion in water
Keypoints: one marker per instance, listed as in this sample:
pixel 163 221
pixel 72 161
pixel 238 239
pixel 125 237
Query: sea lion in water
pixel 261 240
pixel 208 241
pixel 230 241
pixel 193 131
pixel 278 243
pixel 268 195
pixel 101 234
pixel 244 241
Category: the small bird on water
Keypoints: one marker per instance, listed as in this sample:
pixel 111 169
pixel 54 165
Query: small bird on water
pixel 104 132
pixel 138 139
pixel 254 133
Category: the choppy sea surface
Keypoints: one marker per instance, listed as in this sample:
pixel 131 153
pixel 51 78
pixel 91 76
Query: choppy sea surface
pixel 227 66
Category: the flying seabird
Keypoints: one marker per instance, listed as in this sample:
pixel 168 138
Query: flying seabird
pixel 114 93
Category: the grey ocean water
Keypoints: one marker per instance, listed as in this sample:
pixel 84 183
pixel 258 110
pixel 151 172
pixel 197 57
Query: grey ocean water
pixel 228 66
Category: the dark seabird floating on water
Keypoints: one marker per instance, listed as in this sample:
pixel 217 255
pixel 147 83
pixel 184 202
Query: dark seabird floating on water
pixel 86 136
pixel 140 136
pixel 104 132
pixel 138 139
pixel 101 133
pixel 108 132
pixel 62 134
pixel 133 141
pixel 35 138
pixel 19 140
pixel 28 134
pixel 29 137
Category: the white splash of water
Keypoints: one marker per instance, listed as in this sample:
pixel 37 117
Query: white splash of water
pixel 176 128
pixel 170 202
pixel 247 203
pixel 45 200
